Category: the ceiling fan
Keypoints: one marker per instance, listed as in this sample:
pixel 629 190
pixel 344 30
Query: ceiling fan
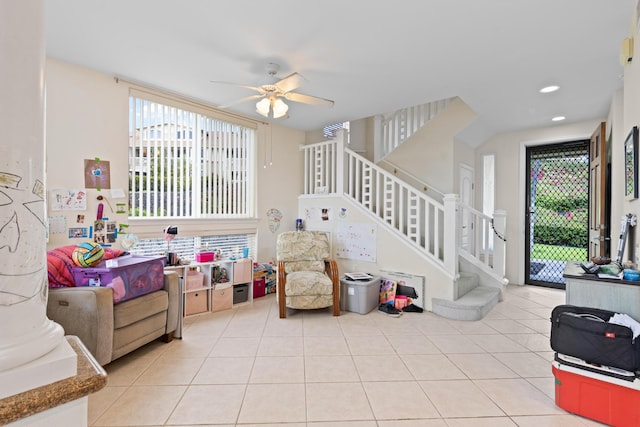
pixel 270 96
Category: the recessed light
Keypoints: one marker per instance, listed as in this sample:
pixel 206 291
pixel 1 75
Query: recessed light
pixel 558 118
pixel 549 89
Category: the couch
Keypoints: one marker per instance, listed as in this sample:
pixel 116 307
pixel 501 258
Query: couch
pixel 110 330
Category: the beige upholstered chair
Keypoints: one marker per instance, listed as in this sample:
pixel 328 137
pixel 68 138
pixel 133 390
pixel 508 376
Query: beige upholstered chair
pixel 307 277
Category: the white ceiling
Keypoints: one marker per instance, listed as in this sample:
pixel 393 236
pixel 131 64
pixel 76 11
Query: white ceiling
pixel 369 56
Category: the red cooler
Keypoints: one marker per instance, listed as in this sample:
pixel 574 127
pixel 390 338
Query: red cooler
pixel 602 398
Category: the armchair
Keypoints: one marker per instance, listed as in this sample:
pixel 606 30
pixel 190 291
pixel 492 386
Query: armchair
pixel 307 277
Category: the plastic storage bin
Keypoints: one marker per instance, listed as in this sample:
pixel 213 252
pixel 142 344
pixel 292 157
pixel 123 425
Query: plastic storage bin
pixel 259 287
pixel 599 397
pixel 129 276
pixel 359 296
pixel 240 293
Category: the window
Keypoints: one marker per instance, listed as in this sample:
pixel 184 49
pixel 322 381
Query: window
pixel 330 131
pixel 186 247
pixel 188 164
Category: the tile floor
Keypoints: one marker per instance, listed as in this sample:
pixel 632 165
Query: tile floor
pixel 247 367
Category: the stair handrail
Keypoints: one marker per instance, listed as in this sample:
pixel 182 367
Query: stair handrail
pixel 392 130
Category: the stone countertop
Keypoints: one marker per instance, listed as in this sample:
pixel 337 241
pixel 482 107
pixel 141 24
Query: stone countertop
pixel 574 271
pixel 90 378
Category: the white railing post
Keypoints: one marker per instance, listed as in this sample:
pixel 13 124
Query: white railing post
pixel 341 137
pixel 499 242
pixel 378 138
pixel 451 233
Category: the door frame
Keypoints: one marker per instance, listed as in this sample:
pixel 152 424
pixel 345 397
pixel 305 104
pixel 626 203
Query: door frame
pixel 463 171
pixel 522 189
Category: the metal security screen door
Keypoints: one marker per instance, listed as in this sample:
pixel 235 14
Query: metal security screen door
pixel 557 209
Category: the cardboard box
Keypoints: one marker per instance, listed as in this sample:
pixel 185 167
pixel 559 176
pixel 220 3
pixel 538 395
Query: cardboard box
pixel 596 396
pixel 195 302
pixel 194 280
pixel 222 297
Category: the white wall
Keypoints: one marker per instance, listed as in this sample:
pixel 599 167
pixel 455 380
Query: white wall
pixel 87 117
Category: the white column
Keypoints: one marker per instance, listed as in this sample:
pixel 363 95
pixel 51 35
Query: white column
pixel 26 333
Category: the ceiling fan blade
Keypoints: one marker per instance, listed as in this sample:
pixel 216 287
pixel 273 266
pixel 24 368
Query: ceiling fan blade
pixel 308 99
pixel 289 83
pixel 240 101
pixel 256 88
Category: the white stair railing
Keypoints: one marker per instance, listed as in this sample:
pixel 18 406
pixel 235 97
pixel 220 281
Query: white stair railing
pixel 392 131
pixel 432 227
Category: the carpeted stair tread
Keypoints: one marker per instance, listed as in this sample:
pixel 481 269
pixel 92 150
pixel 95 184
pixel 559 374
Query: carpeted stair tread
pixel 473 305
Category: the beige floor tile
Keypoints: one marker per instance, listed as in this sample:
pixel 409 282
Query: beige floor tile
pixel 481 366
pixel 412 344
pixel 277 328
pixel 280 346
pixel 431 367
pixel 337 402
pixel 196 346
pixel 260 404
pixel 545 385
pixel 474 328
pixel 460 399
pixel 242 357
pixel 224 370
pixel 171 371
pixel 411 423
pixel 369 345
pixel 209 404
pixel 325 346
pixel 277 369
pixel 399 400
pixel 532 342
pixel 142 405
pixel 341 424
pixel 360 330
pixel 323 369
pixel 381 368
pixel 497 344
pixel 526 364
pixel 452 344
pixel 102 400
pixel 552 421
pixel 538 325
pixel 481 422
pixel 430 327
pixel 321 326
pixel 509 326
pixel 518 397
pixel 127 369
pixel 235 347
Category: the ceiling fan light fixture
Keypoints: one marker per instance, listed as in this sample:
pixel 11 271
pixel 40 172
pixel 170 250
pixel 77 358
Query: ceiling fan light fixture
pixel 279 108
pixel 263 106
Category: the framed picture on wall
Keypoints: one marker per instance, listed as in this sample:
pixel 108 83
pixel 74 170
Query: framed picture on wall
pixel 631 165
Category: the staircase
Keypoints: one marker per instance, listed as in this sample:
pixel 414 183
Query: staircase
pixel 430 227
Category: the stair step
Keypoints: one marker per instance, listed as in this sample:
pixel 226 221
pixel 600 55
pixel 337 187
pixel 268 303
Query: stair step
pixel 465 283
pixel 473 305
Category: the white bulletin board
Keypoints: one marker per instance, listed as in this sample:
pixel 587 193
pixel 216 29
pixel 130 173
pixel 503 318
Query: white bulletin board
pixel 356 241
